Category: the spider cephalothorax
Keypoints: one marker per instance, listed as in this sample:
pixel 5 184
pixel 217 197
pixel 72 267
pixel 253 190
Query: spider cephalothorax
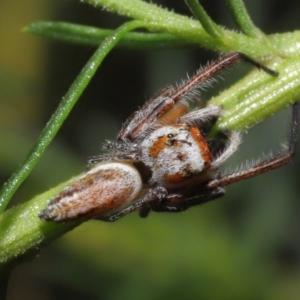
pixel 162 159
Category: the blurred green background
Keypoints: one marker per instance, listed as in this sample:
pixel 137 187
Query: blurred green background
pixel 243 246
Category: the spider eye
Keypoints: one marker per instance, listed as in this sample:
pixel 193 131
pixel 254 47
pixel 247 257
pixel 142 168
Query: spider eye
pixel 170 135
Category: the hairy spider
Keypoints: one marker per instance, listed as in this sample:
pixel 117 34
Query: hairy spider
pixel 163 159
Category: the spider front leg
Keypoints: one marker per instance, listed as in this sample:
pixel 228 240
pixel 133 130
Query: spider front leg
pixel 274 162
pixel 177 203
pixel 201 116
pixel 154 195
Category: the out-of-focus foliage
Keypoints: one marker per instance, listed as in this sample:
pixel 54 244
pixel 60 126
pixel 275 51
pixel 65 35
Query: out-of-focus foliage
pixel 243 246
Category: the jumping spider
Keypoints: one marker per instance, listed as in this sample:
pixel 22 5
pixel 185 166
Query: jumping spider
pixel 163 159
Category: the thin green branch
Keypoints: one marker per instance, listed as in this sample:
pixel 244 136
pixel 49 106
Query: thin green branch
pixel 61 113
pixel 243 19
pixel 92 36
pixel 208 24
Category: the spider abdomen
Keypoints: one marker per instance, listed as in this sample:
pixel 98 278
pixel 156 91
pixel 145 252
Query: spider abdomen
pixel 105 189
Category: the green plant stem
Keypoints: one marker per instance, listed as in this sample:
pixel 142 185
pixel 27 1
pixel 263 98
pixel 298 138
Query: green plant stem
pixel 23 233
pixel 258 96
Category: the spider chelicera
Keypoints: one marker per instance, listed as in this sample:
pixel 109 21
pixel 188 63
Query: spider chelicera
pixel 163 159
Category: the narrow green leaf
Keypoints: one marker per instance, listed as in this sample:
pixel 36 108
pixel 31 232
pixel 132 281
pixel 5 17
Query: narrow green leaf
pixel 92 36
pixel 208 24
pixel 242 18
pixel 23 233
pixel 62 112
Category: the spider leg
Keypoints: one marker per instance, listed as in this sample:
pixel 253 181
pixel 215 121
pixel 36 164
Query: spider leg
pixel 153 196
pixel 202 115
pixel 206 196
pixel 159 110
pixel 178 203
pixel 214 68
pixel 234 141
pixel 143 119
pixel 272 163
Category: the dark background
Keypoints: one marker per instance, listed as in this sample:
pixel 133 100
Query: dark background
pixel 243 246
